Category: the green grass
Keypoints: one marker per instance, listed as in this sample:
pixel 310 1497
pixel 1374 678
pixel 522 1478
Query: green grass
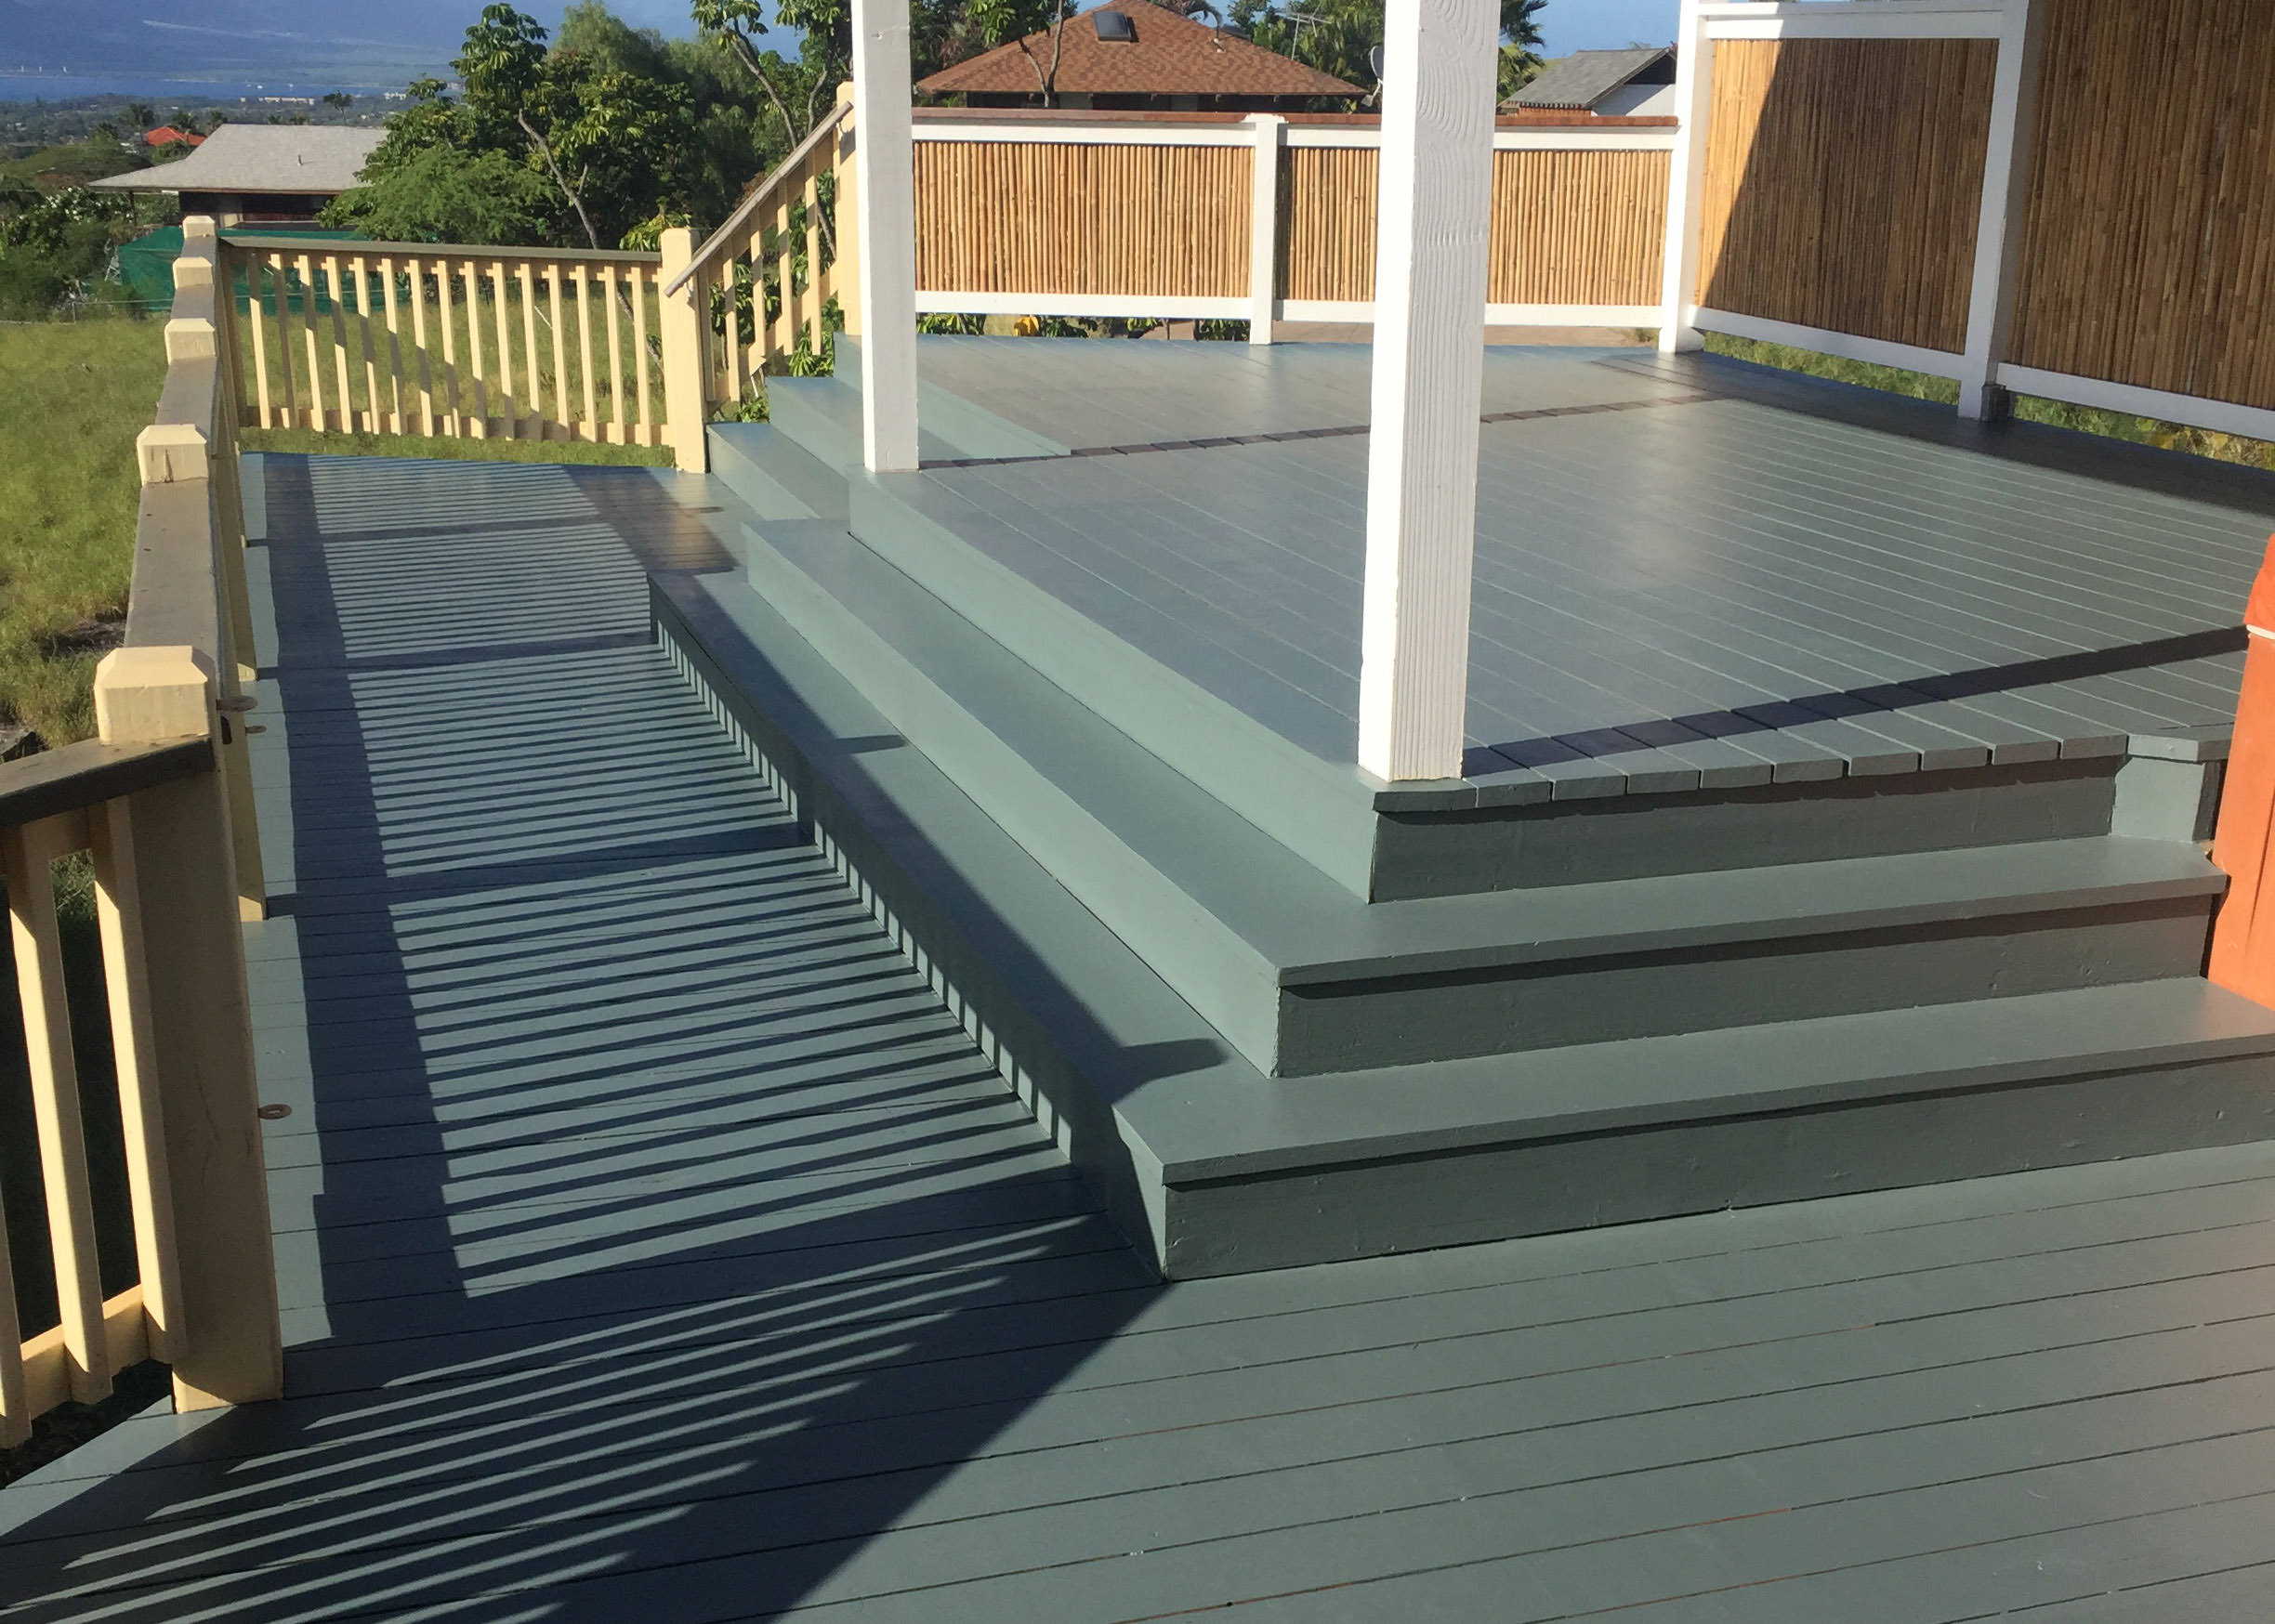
pixel 2171 436
pixel 456 451
pixel 73 398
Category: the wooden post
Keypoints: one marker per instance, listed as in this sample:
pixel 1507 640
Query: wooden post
pixel 1435 218
pixel 2005 206
pixel 682 323
pixel 845 271
pixel 228 1345
pixel 884 171
pixel 1264 226
pixel 1686 183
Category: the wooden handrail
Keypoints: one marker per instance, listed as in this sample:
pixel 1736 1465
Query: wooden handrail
pixel 92 771
pixel 756 198
pixel 347 247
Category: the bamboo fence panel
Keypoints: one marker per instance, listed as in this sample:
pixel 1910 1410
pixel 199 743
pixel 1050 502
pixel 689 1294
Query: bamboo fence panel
pixel 1058 218
pixel 1843 182
pixel 1577 228
pixel 1569 227
pixel 2149 245
pixel 1327 201
pixel 567 365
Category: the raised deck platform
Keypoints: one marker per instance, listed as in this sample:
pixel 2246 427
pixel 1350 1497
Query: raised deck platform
pixel 653 1244
pixel 1864 860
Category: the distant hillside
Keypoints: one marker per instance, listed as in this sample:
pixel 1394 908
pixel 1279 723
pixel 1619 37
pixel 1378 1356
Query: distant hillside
pixel 249 39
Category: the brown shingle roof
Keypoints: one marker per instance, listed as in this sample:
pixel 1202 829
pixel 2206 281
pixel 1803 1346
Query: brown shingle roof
pixel 1171 56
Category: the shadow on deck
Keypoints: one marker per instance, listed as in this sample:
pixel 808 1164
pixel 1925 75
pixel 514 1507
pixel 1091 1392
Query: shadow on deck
pixel 653 1244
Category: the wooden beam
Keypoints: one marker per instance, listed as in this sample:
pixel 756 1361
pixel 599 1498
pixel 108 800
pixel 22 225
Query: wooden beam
pixel 884 192
pixel 2005 210
pixel 1434 227
pixel 1264 226
pixel 682 337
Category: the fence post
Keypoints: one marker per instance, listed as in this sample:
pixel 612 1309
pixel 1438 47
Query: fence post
pixel 683 319
pixel 1686 183
pixel 2005 212
pixel 885 169
pixel 1264 226
pixel 228 1346
pixel 845 273
pixel 1436 191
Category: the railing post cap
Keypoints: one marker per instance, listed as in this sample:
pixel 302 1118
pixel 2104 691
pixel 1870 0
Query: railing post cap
pixel 163 692
pixel 190 338
pixel 199 228
pixel 2259 609
pixel 169 452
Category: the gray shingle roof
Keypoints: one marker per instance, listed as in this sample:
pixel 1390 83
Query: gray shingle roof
pixel 262 157
pixel 1585 78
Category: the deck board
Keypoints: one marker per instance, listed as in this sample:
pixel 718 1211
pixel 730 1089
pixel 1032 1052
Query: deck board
pixel 1634 565
pixel 652 1243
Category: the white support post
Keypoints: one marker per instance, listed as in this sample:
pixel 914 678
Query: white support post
pixel 1264 226
pixel 1434 220
pixel 2005 206
pixel 884 197
pixel 1686 183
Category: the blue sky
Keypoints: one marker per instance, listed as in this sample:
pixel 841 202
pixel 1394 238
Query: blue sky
pixel 1566 25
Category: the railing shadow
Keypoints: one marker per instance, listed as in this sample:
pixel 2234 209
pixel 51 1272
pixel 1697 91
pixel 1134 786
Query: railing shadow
pixel 658 1238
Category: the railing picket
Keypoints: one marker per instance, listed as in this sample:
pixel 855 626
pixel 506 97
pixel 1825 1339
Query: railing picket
pixel 532 384
pixel 474 353
pixel 454 417
pixel 509 401
pixel 260 340
pixel 615 353
pixel 561 352
pixel 126 956
pixel 308 332
pixel 360 268
pixel 14 1399
pixel 339 343
pixel 585 352
pixel 784 334
pixel 639 351
pixel 732 378
pixel 395 366
pixel 810 305
pixel 25 854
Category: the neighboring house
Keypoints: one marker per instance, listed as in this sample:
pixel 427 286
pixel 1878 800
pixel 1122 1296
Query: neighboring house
pixel 1130 56
pixel 260 172
pixel 1630 83
pixel 168 135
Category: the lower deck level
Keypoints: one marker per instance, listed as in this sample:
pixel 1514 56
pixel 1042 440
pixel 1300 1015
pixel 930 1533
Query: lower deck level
pixel 654 1244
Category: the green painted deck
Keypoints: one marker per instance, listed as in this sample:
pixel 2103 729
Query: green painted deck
pixel 1683 564
pixel 654 1246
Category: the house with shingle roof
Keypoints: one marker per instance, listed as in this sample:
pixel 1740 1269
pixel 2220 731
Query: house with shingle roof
pixel 260 172
pixel 1637 83
pixel 1128 55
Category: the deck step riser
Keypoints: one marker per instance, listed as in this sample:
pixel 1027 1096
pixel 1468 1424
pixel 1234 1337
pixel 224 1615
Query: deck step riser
pixel 1628 837
pixel 791 409
pixel 1400 1020
pixel 1411 1203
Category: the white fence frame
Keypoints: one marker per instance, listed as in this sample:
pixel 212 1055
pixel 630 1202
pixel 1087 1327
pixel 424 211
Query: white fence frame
pixel 1982 370
pixel 1263 133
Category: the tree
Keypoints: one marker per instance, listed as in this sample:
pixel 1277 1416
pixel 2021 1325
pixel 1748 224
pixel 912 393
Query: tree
pixel 1018 19
pixel 502 66
pixel 442 194
pixel 339 99
pixel 1339 37
pixel 141 114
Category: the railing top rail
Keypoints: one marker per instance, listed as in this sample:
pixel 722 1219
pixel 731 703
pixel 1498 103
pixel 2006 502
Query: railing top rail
pixel 754 199
pixel 91 772
pixel 1530 118
pixel 355 248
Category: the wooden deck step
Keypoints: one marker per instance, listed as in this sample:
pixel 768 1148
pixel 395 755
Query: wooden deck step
pixel 1213 1166
pixel 1304 978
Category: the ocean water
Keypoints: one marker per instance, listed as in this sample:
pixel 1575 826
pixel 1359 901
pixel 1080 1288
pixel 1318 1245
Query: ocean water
pixel 22 87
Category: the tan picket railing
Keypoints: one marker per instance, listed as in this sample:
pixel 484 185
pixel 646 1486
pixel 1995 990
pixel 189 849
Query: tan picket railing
pixel 771 278
pixel 405 338
pixel 161 801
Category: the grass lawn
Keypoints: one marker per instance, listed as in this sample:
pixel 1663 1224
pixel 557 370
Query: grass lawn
pixel 72 397
pixel 2171 436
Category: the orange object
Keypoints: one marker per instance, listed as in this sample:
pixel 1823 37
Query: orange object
pixel 2243 934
